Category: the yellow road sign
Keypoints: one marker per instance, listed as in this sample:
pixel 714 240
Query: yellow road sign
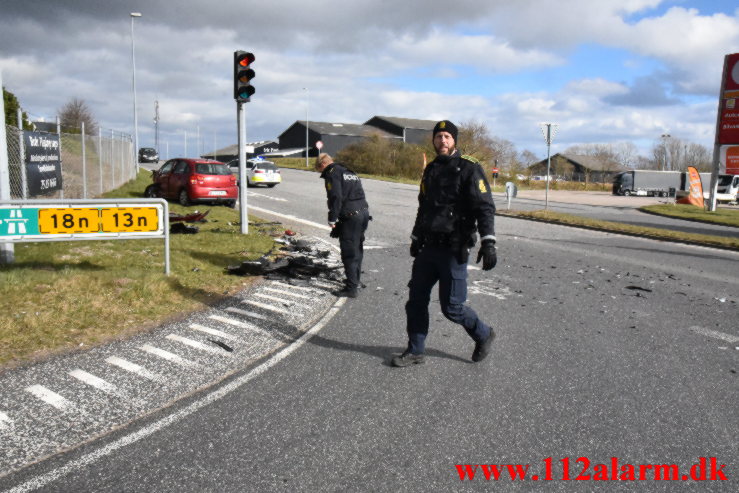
pixel 68 220
pixel 129 219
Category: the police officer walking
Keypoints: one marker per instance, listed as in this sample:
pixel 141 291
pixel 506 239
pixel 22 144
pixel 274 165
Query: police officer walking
pixel 455 200
pixel 348 216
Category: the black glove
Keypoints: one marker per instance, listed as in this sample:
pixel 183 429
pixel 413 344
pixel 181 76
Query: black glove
pixel 335 231
pixel 487 255
pixel 415 247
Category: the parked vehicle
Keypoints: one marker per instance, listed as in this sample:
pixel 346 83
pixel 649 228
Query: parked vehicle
pixel 728 185
pixel 194 180
pixel 148 155
pixel 647 182
pixel 261 172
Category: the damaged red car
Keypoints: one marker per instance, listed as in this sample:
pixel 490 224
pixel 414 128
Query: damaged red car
pixel 194 180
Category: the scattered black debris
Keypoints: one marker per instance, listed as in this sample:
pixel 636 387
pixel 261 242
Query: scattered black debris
pixel 639 288
pixel 194 217
pixel 299 261
pixel 221 345
pixel 182 228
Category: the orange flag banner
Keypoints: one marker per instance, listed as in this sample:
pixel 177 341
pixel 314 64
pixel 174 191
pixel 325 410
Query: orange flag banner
pixel 695 195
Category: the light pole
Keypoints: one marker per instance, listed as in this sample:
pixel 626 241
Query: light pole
pixel 548 131
pixel 307 101
pixel 135 114
pixel 664 148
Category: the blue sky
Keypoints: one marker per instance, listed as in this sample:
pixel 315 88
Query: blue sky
pixel 606 71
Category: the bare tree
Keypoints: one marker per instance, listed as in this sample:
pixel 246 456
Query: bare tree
pixel 76 112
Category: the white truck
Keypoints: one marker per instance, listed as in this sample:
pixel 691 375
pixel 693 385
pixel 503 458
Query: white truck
pixel 663 183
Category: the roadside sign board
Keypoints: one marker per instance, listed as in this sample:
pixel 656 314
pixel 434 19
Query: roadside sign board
pixel 22 223
pixel 728 117
pixel 319 145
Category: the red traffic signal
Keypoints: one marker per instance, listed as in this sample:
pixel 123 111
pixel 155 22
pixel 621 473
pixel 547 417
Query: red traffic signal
pixel 243 75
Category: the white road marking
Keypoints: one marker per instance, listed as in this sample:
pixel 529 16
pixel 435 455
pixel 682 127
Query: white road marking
pixel 324 227
pixel 134 368
pixel 278 199
pixel 472 267
pixel 485 287
pixel 715 334
pixel 94 381
pixel 50 397
pixel 213 332
pixel 197 345
pixel 325 285
pixel 300 288
pixel 40 481
pixel 245 325
pixel 5 421
pixel 266 307
pixel 288 293
pixel 275 298
pixel 246 313
pixel 179 360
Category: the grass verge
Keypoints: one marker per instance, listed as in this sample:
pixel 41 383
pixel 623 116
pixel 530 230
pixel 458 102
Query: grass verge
pixel 724 216
pixel 58 296
pixel 628 229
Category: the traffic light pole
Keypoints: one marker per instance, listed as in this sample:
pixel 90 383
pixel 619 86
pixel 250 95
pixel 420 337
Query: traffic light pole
pixel 241 120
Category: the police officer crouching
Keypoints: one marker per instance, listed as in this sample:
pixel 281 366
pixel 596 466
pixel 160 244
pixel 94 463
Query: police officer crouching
pixel 348 217
pixel 454 203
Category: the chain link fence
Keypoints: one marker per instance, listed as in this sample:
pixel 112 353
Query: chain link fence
pixel 91 165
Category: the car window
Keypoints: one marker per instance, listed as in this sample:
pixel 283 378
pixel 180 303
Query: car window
pixel 212 169
pixel 267 166
pixel 181 168
pixel 167 167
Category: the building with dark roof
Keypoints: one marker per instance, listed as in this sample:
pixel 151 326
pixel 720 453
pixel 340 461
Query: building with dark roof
pixel 333 136
pixel 410 130
pixel 574 167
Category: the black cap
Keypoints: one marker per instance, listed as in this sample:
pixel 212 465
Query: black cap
pixel 446 126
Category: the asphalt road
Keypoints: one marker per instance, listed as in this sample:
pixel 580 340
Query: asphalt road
pixel 610 350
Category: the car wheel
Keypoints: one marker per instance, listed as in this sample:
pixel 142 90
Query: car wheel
pixel 271 185
pixel 152 192
pixel 184 198
pixel 627 193
pixel 231 204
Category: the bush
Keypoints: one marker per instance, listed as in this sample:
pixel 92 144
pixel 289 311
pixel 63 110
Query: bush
pixel 383 157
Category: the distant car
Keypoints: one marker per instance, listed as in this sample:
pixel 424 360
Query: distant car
pixel 194 180
pixel 259 172
pixel 148 155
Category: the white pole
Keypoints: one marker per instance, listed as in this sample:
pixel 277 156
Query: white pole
pixel 21 161
pixel 7 250
pixel 307 103
pixel 241 122
pixel 84 162
pixel 135 113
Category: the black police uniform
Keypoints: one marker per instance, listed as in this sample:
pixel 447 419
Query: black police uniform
pixel 349 212
pixel 454 201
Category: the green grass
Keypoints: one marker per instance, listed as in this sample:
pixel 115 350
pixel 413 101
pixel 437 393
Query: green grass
pixel 656 233
pixel 722 215
pixel 58 296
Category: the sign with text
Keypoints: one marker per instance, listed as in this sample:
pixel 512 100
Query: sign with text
pixel 43 163
pixel 728 120
pixel 90 221
pixel 729 160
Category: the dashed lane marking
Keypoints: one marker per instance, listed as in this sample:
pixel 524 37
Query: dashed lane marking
pixel 134 368
pixel 94 381
pixel 5 421
pixel 197 345
pixel 178 360
pixel 265 306
pixel 245 313
pixel 213 332
pixel 245 325
pixel 277 199
pixel 291 217
pixel 50 397
pixel 275 298
pixel 715 334
pixel 299 288
pixel 287 293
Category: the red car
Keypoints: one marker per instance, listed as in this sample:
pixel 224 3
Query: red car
pixel 194 180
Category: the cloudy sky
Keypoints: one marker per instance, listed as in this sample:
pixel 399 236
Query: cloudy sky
pixel 605 71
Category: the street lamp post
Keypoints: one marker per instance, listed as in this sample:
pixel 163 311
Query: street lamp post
pixel 135 114
pixel 307 101
pixel 548 131
pixel 664 148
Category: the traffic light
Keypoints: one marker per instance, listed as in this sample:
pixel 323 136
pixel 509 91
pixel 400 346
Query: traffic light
pixel 243 75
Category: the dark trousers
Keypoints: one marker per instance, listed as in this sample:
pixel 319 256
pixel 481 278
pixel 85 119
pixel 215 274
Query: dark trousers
pixel 351 241
pixel 439 264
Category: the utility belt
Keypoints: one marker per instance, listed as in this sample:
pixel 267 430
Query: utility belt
pixel 438 239
pixel 347 215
